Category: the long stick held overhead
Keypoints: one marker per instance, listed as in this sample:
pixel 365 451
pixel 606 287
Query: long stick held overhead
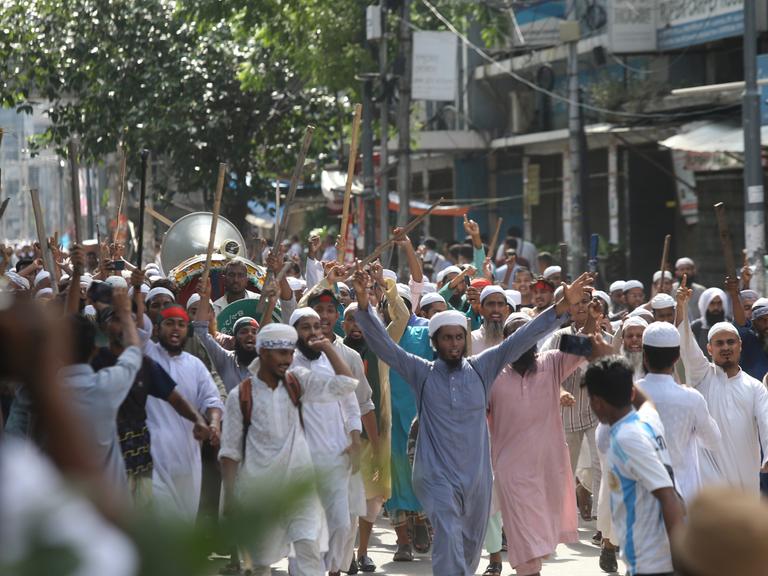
pixel 495 239
pixel 725 239
pixel 214 222
pixel 142 207
pixel 4 207
pixel 665 257
pixel 350 179
pixel 121 188
pixel 563 261
pixel 74 174
pixel 45 249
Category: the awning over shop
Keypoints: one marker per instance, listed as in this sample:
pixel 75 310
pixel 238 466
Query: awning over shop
pixel 703 136
pixel 417 208
pixel 334 182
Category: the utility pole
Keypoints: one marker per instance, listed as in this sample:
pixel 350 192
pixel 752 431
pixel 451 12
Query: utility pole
pixel 404 119
pixel 754 220
pixel 570 33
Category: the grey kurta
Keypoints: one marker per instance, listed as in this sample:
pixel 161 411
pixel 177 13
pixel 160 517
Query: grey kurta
pixel 452 469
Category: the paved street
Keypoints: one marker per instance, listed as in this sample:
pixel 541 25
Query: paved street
pixel 575 560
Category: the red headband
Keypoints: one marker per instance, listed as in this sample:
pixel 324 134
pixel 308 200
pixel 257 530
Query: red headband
pixel 174 312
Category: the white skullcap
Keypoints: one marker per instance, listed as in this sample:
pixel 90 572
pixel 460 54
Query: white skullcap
pixel 42 275
pixel 630 284
pixel 44 292
pixel 657 275
pixel 661 335
pixel 194 299
pixel 160 290
pixel 351 308
pixel 602 295
pixel 86 280
pixel 514 298
pixel 759 303
pixel 492 289
pixel 722 327
pixel 154 277
pixel 431 298
pixel 300 313
pixel 749 294
pixel 661 301
pixel 89 310
pixel 277 337
pixel 405 292
pixel 447 318
pixel 636 321
pixel 144 289
pixel 428 288
pixel 296 283
pixel 152 266
pixel 515 317
pixel 551 271
pixel 126 274
pixel 339 285
pixel 392 275
pixel 616 286
pixel 684 261
pixel 445 271
pixel 642 311
pixel 759 312
pixel 117 282
pixel 17 279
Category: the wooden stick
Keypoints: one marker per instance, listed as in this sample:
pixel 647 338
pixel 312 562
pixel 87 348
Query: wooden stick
pixel 272 302
pixel 4 206
pixel 74 173
pixel 121 187
pixel 664 259
pixel 214 222
pixel 142 207
pixel 350 178
pixel 159 217
pixel 563 261
pixel 495 239
pixel 43 239
pixel 725 239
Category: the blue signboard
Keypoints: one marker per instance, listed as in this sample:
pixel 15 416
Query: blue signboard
pixel 702 21
pixel 762 74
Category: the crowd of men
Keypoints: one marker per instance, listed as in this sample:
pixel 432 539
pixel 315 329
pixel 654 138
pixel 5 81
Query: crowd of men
pixel 481 403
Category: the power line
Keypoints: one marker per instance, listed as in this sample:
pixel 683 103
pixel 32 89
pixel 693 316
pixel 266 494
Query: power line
pixel 555 95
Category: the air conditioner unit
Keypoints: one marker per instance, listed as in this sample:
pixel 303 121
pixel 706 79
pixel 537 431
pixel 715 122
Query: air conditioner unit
pixel 522 111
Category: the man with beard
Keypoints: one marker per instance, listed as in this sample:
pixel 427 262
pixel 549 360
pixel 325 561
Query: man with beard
pixel 687 267
pixel 660 287
pixel 618 303
pixel 494 311
pixel 532 472
pixel 452 468
pixel 632 343
pixel 151 380
pixel 682 410
pixel 333 433
pixel 663 306
pixel 543 291
pixel 634 294
pixel 157 299
pixel 754 332
pixel 713 308
pixel 235 285
pixel 431 304
pixel 737 402
pixel 177 474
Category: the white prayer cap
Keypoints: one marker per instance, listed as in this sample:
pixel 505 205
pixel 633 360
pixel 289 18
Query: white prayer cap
pixel 353 307
pixel 630 284
pixel 18 280
pixel 194 299
pixel 391 274
pixel 616 286
pixel 126 274
pixel 300 313
pixel 86 280
pixel 431 298
pixel 661 301
pixel 637 321
pixel 152 278
pixel 603 296
pixel 644 312
pixel 296 283
pixel 89 310
pixel 117 282
pixel 684 261
pixel 447 318
pixel 514 298
pixel 429 288
pixel 445 271
pixel 152 266
pixel 551 271
pixel 760 303
pixel 661 335
pixel 42 275
pixel 722 327
pixel 516 317
pixel 277 336
pixel 339 285
pixel 492 289
pixel 657 275
pixel 759 312
pixel 160 290
pixel 749 295
pixel 44 292
pixel 405 292
pixel 144 289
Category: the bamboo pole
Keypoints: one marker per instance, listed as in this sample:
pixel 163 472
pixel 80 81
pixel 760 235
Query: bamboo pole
pixel 214 222
pixel 45 249
pixel 350 179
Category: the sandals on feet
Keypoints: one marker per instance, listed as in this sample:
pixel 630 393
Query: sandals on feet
pixel 404 553
pixel 494 569
pixel 366 564
pixel 421 541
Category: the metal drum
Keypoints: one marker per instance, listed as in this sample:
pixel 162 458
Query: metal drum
pixel 188 237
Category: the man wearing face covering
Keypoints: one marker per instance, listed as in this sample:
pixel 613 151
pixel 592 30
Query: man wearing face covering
pixel 714 307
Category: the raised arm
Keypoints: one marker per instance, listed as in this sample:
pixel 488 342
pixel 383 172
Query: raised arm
pixel 695 363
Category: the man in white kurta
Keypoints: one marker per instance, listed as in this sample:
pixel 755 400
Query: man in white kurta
pixel 332 430
pixel 737 402
pixel 277 453
pixel 177 474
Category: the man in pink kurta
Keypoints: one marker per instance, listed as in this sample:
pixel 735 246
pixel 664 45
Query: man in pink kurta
pixel 533 477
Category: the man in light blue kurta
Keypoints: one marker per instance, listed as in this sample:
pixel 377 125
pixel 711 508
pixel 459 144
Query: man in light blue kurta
pixel 452 468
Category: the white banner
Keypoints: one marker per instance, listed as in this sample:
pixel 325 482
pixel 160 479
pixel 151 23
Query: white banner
pixel 632 25
pixel 434 74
